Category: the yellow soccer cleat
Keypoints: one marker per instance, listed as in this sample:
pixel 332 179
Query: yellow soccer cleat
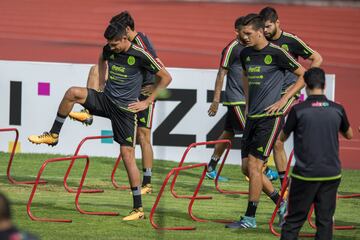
pixel 50 139
pixel 135 214
pixel 147 189
pixel 83 116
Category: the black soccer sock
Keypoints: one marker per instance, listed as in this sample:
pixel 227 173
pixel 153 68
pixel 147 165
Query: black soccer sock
pixel 251 209
pixel 281 177
pixel 147 176
pixel 58 123
pixel 136 193
pixel 274 196
pixel 213 162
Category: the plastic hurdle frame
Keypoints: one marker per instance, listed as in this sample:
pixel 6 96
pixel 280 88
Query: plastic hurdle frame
pixel 229 145
pixel 71 190
pixel 8 171
pixel 48 161
pixel 335 227
pixel 194 197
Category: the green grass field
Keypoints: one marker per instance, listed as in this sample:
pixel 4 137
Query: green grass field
pixel 53 201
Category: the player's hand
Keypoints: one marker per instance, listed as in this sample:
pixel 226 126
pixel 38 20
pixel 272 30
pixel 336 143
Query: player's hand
pixel 138 106
pixel 276 107
pixel 147 90
pixel 213 109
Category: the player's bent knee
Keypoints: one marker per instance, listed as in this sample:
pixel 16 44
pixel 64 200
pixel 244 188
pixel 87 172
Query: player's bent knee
pixel 71 93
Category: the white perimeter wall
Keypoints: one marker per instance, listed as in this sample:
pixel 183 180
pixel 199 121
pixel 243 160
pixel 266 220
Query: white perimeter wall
pixel 38 112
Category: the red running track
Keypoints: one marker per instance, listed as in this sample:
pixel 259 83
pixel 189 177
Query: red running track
pixel 184 34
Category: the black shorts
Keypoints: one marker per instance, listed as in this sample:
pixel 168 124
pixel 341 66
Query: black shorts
pixel 123 122
pixel 259 136
pixel 145 117
pixel 235 119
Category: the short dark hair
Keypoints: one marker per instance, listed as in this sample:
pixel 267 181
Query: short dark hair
pixel 124 18
pixel 269 14
pixel 5 213
pixel 315 78
pixel 254 20
pixel 239 22
pixel 115 31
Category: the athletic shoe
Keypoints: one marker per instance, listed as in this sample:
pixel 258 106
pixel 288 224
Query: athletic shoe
pixel 147 189
pixel 50 139
pixel 135 214
pixel 212 175
pixel 271 174
pixel 245 222
pixel 83 116
pixel 281 213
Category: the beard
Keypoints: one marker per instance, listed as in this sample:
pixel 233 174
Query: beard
pixel 270 35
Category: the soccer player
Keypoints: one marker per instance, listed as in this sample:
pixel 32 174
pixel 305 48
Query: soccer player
pixel 118 102
pixel 96 80
pixel 297 48
pixel 316 175
pixel 263 75
pixel 230 66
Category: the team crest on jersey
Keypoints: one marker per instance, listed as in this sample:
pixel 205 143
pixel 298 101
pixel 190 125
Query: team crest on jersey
pixel 285 47
pixel 131 60
pixel 248 59
pixel 268 59
pixel 112 57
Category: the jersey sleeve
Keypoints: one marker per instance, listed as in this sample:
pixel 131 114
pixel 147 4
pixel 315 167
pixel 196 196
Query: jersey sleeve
pixel 290 122
pixel 344 126
pixel 150 63
pixel 227 56
pixel 106 52
pixel 143 41
pixel 300 48
pixel 285 61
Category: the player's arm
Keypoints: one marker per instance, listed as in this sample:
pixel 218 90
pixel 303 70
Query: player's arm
pixel 217 91
pixel 156 67
pixel 290 126
pixel 300 48
pixel 348 134
pixel 246 90
pixel 345 128
pixel 315 59
pixel 164 81
pixel 285 61
pixel 148 89
pixel 103 72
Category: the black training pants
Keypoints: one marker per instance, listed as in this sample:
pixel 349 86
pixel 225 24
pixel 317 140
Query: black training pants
pixel 302 195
